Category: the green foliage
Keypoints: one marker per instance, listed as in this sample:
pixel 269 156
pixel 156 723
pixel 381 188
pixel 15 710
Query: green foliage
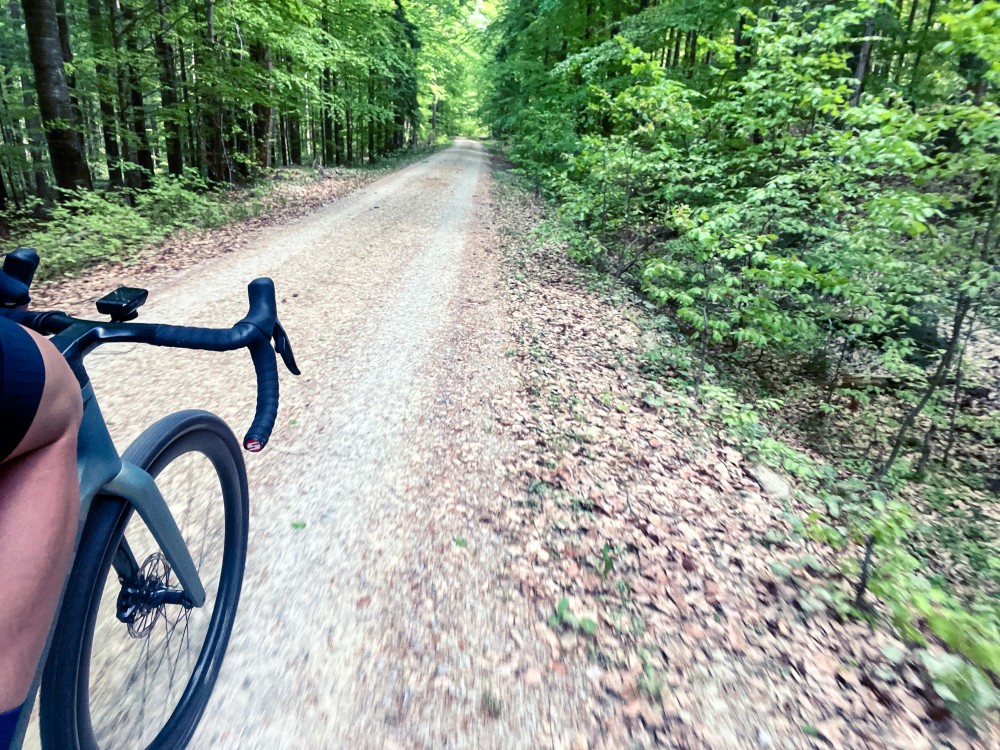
pixel 88 227
pixel 968 692
pixel 833 223
pixel 607 561
pixel 562 618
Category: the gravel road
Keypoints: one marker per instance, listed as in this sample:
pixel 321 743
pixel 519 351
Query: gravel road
pixel 369 626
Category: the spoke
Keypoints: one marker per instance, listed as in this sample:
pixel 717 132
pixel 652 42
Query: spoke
pixel 131 703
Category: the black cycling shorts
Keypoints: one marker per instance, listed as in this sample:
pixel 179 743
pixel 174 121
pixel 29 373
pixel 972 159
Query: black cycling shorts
pixel 22 378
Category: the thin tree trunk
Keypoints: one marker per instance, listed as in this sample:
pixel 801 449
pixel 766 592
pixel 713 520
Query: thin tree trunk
pixel 99 40
pixel 740 57
pixel 283 128
pixel 294 140
pixel 329 116
pixel 338 127
pixel 926 450
pixel 928 21
pixel 371 117
pixel 263 113
pixel 937 380
pixel 212 121
pixel 143 152
pixel 69 164
pixel 168 92
pixel 350 135
pixel 904 45
pixel 953 417
pixel 862 68
pixel 33 129
pixel 190 116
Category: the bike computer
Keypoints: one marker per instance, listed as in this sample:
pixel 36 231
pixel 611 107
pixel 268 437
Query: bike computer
pixel 122 304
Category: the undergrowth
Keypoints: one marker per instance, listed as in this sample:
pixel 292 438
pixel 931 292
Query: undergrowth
pixel 904 516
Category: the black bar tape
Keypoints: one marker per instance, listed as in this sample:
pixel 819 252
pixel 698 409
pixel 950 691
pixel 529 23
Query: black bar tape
pixel 201 338
pixel 266 365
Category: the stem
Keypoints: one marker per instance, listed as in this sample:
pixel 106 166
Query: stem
pixel 954 402
pixel 926 449
pixel 836 373
pixel 704 356
pixel 859 73
pixel 859 595
pixel 961 310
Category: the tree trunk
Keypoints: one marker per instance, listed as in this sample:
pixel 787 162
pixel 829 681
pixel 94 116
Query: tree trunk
pixel 99 40
pixel 143 152
pixel 741 58
pixel 904 45
pixel 263 114
pixel 294 140
pixel 329 129
pixel 67 55
pixel 212 121
pixel 937 380
pixel 862 68
pixel 69 164
pixel 956 395
pixel 928 22
pixel 32 130
pixel 350 136
pixel 190 115
pixel 338 128
pixel 121 91
pixel 677 49
pixel 371 117
pixel 168 92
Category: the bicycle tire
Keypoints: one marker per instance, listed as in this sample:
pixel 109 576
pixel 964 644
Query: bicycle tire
pixel 65 708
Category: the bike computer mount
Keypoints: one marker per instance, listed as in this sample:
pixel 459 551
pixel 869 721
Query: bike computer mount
pixel 122 304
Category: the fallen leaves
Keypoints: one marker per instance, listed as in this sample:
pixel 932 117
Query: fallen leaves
pixel 636 510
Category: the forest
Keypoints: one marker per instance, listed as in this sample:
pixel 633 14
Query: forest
pixel 806 195
pixel 121 116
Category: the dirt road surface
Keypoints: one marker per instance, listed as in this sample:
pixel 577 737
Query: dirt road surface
pixel 363 622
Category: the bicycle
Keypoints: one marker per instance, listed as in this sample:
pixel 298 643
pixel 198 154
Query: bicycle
pixel 165 593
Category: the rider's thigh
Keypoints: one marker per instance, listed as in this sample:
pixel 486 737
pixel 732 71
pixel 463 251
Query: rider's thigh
pixel 61 406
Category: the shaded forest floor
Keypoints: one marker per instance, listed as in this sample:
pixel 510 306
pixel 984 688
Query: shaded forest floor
pixel 652 551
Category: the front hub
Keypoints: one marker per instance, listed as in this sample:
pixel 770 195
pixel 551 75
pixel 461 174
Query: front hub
pixel 143 598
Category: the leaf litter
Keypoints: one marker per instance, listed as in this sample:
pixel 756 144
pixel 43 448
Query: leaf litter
pixel 632 513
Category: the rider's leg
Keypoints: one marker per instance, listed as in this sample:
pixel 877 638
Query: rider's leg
pixel 39 507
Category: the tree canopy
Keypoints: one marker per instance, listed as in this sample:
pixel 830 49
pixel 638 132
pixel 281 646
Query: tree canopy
pixel 116 92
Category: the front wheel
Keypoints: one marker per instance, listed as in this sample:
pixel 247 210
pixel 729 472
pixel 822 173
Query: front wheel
pixel 131 666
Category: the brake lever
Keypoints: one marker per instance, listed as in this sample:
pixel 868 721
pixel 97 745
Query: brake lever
pixel 283 346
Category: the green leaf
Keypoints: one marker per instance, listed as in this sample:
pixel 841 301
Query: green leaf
pixel 298 524
pixel 894 654
pixel 780 569
pixel 562 607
